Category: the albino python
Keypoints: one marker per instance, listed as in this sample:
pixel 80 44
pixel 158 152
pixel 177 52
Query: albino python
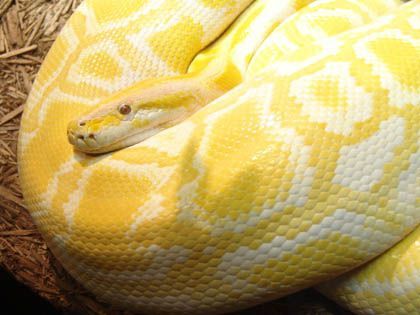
pixel 249 149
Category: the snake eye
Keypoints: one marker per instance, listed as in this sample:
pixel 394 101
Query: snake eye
pixel 124 109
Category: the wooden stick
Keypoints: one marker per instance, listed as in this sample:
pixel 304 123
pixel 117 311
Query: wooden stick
pixel 8 195
pixel 18 232
pixel 18 51
pixel 4 5
pixel 36 28
pixel 11 114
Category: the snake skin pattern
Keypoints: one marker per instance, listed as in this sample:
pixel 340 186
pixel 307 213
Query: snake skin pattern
pixel 306 170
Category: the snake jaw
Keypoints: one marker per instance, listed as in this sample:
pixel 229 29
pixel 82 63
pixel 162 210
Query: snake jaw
pixel 79 136
pixel 89 138
pixel 103 134
pixel 125 122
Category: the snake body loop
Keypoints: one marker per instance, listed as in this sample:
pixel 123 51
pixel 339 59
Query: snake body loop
pixel 249 149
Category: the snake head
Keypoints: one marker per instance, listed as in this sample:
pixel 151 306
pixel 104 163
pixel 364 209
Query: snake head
pixel 124 122
pixel 139 112
pixel 99 131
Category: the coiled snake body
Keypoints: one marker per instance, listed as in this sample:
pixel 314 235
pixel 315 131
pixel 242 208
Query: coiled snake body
pixel 281 156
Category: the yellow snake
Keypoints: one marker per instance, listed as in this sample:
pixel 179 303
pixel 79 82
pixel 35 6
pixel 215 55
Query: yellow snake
pixel 278 149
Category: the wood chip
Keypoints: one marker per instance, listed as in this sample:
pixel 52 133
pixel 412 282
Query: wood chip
pixel 36 29
pixel 17 61
pixel 18 233
pixel 53 22
pixel 18 51
pixel 17 111
pixel 12 211
pixel 2 41
pixel 4 5
pixel 26 79
pixel 34 58
pixel 8 195
pixel 15 36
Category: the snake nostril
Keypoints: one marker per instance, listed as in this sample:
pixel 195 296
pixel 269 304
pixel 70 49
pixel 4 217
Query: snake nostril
pixel 80 137
pixel 82 123
pixel 91 136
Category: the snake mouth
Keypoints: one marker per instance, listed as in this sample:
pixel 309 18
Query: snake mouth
pixel 100 143
pixel 89 143
pixel 84 143
pixel 125 134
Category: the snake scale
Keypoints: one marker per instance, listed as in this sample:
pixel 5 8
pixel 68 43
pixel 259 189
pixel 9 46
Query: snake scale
pixel 250 149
